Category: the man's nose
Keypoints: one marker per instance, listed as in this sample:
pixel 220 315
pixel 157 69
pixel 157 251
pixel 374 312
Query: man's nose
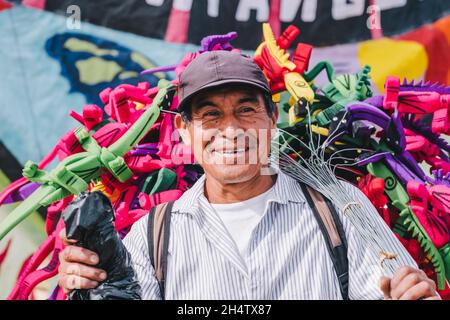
pixel 228 125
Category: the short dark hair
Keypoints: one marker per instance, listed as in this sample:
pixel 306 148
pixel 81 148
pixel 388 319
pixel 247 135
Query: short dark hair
pixel 186 114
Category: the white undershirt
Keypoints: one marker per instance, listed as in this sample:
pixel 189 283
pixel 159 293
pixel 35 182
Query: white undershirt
pixel 241 218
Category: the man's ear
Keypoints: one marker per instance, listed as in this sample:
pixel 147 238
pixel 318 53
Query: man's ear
pixel 274 116
pixel 182 129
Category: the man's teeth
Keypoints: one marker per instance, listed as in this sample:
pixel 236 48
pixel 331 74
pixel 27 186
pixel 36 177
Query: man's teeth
pixel 229 152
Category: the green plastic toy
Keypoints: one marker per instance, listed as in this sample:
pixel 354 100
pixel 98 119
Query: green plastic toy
pixel 341 89
pixel 73 174
pixel 408 220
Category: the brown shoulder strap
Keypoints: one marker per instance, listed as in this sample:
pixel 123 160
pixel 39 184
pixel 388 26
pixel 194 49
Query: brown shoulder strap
pixel 331 226
pixel 158 240
pixel 325 215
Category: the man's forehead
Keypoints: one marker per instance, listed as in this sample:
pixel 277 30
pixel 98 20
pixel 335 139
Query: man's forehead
pixel 231 91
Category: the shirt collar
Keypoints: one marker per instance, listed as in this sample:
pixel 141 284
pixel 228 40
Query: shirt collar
pixel 285 190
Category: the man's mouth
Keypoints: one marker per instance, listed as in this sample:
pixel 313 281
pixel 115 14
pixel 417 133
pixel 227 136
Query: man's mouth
pixel 230 152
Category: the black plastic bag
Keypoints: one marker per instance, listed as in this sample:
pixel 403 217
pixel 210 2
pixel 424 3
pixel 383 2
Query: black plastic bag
pixel 89 219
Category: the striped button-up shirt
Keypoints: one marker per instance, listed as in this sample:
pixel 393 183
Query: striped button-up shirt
pixel 287 257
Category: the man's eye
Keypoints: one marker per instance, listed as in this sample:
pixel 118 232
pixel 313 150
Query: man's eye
pixel 211 114
pixel 247 109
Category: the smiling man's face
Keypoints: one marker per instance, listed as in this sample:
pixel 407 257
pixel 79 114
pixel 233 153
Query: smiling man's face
pixel 230 132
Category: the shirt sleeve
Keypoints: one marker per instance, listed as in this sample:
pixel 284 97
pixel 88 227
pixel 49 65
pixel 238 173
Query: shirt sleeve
pixel 364 263
pixel 137 245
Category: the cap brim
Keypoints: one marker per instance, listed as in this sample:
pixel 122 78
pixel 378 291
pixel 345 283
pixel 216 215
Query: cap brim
pixel 182 104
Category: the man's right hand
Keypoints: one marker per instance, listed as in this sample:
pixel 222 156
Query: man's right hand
pixel 76 269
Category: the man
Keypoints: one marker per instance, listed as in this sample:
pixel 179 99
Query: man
pixel 240 233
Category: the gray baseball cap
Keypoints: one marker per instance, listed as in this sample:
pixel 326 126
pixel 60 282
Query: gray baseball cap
pixel 215 68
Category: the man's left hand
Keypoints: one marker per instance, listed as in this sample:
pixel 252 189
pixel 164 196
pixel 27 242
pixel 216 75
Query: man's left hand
pixel 409 284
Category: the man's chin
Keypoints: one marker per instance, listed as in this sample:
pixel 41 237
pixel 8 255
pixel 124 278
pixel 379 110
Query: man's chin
pixel 237 173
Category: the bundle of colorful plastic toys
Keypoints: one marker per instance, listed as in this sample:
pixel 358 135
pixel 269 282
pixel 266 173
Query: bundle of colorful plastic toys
pixel 129 150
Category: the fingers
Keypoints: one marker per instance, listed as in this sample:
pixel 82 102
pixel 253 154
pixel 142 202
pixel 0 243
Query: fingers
pixel 70 282
pixel 63 237
pixel 407 282
pixel 83 271
pixel 76 271
pixel 80 255
pixel 385 286
pixel 412 284
pixel 400 274
pixel 421 290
